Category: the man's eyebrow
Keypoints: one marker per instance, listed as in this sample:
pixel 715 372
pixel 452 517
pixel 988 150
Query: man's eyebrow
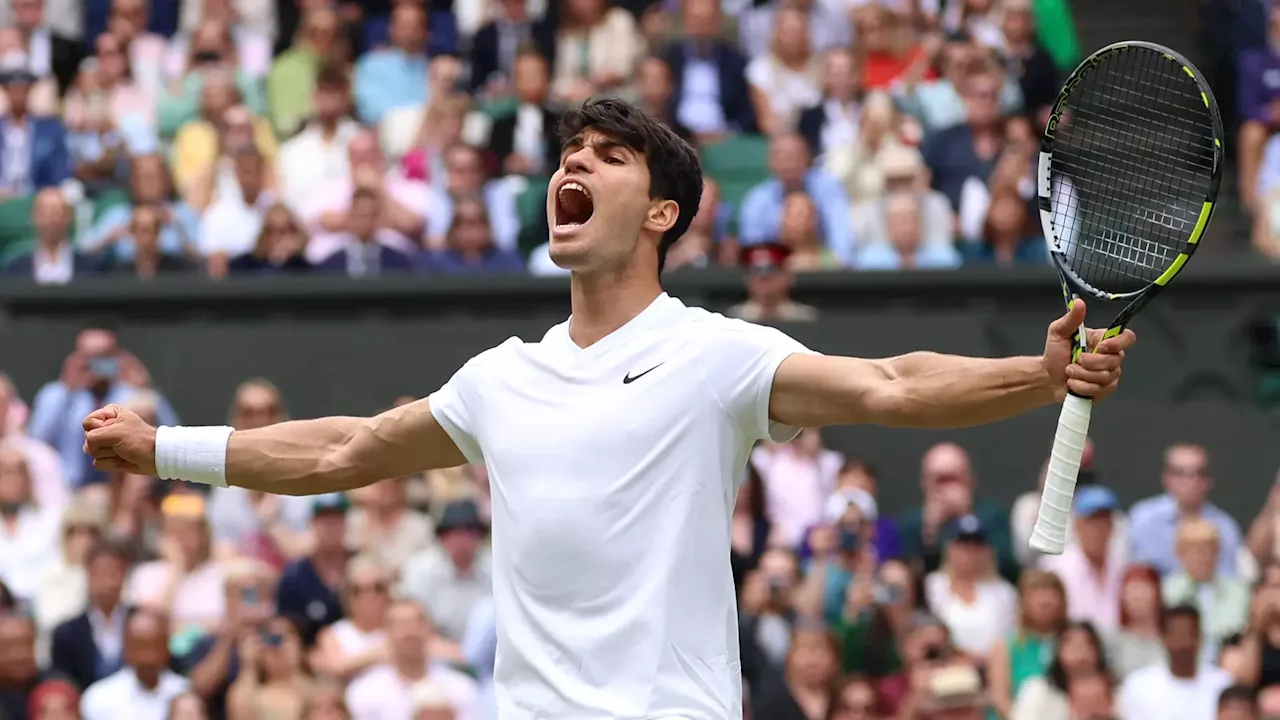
pixel 602 145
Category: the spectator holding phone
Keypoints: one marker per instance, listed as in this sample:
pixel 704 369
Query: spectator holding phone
pixel 98 372
pixel 273 684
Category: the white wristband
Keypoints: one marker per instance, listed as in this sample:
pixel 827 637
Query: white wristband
pixel 194 454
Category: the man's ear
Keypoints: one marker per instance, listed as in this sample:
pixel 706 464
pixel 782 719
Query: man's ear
pixel 662 216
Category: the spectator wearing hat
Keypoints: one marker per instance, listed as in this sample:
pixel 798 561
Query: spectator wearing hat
pixel 310 586
pixel 33 150
pixel 1223 601
pixel 967 593
pixel 790 169
pixel 90 646
pixel 769 287
pixel 449 578
pixel 1092 568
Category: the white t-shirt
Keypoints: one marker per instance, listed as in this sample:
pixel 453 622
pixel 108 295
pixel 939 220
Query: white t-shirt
pixel 1153 692
pixel 976 627
pixel 613 472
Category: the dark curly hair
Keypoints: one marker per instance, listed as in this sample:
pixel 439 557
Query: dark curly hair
pixel 675 172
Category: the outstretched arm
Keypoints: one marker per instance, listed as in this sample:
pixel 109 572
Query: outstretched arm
pixel 301 457
pixel 929 390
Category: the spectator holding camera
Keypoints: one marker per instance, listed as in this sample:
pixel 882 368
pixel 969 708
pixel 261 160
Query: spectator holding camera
pixel 767 615
pixel 273 682
pixel 212 663
pixel 145 685
pixel 98 372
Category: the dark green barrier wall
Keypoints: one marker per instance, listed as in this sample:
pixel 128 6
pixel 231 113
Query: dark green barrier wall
pixel 337 346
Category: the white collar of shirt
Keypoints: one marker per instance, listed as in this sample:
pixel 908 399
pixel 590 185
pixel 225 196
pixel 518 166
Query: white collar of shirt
pixel 56 269
pixel 108 632
pixel 40 52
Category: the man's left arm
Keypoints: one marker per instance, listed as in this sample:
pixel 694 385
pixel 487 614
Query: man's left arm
pixel 930 390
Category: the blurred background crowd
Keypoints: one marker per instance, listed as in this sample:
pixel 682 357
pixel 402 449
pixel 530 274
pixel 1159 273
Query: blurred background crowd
pixel 217 138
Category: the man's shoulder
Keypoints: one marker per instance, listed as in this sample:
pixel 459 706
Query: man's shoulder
pixel 1150 508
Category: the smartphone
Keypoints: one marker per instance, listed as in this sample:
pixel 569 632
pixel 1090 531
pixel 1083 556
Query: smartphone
pixel 105 368
pixel 249 596
pixel 847 540
pixel 272 639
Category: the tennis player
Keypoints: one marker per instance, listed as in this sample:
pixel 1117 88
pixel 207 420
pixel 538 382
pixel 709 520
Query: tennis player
pixel 613 444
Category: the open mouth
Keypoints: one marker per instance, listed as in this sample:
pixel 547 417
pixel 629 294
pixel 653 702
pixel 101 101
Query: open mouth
pixel 573 207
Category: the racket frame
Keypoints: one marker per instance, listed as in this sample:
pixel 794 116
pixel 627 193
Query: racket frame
pixel 1049 535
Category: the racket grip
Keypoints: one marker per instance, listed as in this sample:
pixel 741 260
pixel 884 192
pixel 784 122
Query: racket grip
pixel 1050 533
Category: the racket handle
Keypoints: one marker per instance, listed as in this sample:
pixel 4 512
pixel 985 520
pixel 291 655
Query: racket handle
pixel 1050 533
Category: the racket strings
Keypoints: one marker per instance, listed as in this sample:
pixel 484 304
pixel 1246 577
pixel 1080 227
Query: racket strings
pixel 1131 165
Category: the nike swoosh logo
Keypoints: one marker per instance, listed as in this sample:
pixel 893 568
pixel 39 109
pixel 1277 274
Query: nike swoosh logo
pixel 632 378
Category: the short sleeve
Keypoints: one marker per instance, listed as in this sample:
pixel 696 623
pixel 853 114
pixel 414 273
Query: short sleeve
pixel 740 373
pixel 758 74
pixel 456 405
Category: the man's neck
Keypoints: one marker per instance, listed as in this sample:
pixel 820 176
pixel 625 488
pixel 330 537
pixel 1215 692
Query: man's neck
pixel 17 115
pixel 1189 511
pixel 106 609
pixel 328 128
pixel 328 558
pixel 413 671
pixel 1097 561
pixel 383 515
pixel 51 246
pixel 1182 672
pixel 148 678
pixel 605 301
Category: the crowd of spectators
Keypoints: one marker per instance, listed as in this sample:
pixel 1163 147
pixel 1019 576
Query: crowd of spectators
pixel 127 596
pixel 227 137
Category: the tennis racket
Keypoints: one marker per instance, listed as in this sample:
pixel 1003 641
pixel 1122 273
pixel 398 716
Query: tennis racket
pixel 1130 164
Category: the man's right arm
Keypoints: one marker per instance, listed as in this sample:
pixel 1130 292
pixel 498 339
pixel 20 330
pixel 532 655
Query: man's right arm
pixel 309 457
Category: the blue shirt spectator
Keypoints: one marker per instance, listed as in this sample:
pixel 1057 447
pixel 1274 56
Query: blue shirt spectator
pixel 111 232
pixel 925 257
pixel 500 203
pixel 761 214
pixel 395 76
pixel 97 373
pixel 1153 523
pixel 33 150
pixel 480 648
pixel 1259 85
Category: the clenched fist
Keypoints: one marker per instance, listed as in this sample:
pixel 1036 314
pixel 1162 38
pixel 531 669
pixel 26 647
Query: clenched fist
pixel 117 439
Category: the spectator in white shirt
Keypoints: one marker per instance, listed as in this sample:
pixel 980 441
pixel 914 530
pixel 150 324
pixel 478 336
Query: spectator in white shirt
pixel 145 687
pixel 28 533
pixel 317 156
pixel 432 702
pixel 231 225
pixel 1182 689
pixel 1091 569
pixel 386 691
pixel 967 593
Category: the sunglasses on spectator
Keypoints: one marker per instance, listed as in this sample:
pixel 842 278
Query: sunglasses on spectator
pixel 378 588
pixel 1186 472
